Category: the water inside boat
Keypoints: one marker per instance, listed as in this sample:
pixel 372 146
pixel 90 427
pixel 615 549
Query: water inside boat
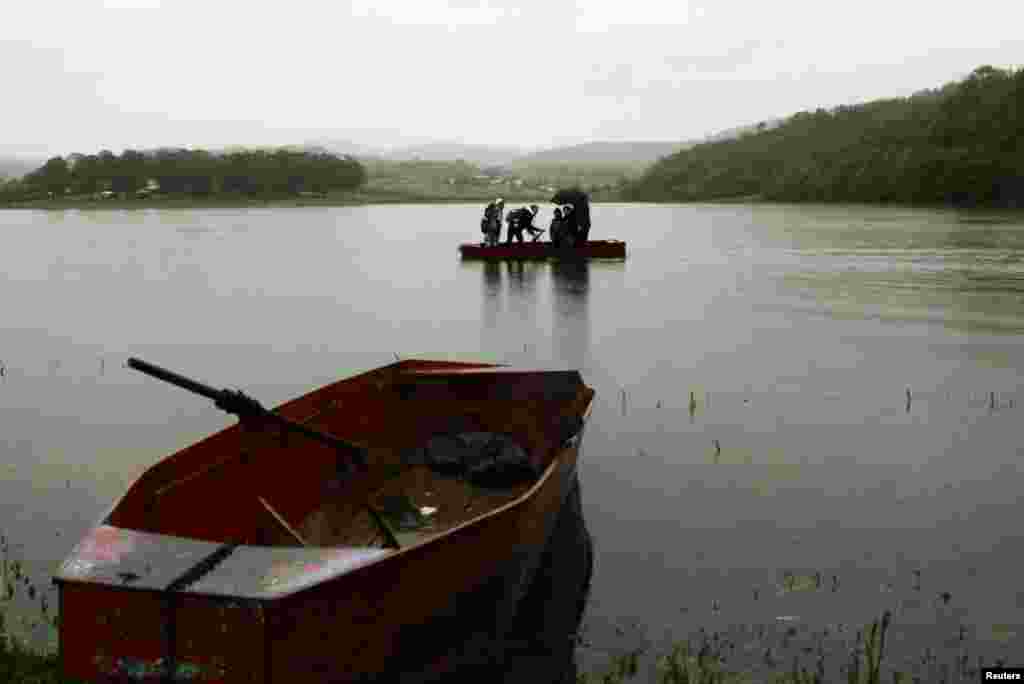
pixel 415 499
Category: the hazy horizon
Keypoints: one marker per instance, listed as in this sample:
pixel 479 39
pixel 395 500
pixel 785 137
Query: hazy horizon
pixel 315 141
pixel 91 74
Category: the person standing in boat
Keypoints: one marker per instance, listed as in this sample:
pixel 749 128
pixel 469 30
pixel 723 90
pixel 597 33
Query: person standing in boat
pixel 571 226
pixel 485 224
pixel 499 214
pixel 490 224
pixel 556 231
pixel 583 223
pixel 514 231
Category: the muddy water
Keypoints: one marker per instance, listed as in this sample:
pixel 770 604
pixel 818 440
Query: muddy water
pixel 855 376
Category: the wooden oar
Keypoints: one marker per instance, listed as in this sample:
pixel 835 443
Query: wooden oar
pixel 245 407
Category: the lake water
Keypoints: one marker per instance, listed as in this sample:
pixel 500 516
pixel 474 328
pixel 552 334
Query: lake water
pixel 798 329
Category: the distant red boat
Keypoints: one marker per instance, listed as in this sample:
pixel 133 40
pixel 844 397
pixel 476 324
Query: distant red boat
pixel 594 249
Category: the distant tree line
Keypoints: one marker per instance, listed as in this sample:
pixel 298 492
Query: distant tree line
pixel 592 176
pixel 962 144
pixel 192 172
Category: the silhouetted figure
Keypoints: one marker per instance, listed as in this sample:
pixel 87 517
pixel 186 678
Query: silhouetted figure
pixel 570 219
pixel 522 219
pixel 556 231
pixel 569 226
pixel 583 223
pixel 490 224
pixel 515 231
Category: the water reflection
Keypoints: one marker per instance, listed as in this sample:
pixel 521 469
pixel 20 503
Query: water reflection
pixel 571 288
pixel 523 304
pixel 514 305
pixel 522 276
pixel 551 613
pixel 492 278
pixel 539 644
pixel 509 314
pixel 490 302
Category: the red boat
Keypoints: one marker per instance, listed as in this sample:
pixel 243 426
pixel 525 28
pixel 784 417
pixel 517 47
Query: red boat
pixel 309 543
pixel 594 249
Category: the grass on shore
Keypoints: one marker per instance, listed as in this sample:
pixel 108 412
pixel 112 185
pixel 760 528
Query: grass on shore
pixel 706 665
pixel 20 664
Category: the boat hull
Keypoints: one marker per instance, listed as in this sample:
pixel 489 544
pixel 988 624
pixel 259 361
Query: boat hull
pixel 594 249
pixel 493 562
pixel 257 614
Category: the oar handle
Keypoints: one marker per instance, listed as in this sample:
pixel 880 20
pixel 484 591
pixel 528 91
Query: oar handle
pixel 175 379
pixel 243 406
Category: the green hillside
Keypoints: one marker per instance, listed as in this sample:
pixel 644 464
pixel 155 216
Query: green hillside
pixel 960 144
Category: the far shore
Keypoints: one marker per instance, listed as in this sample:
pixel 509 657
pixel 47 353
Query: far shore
pixel 364 197
pixel 381 197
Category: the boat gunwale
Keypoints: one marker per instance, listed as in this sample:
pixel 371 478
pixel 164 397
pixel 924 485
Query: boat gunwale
pixel 441 368
pixel 398 365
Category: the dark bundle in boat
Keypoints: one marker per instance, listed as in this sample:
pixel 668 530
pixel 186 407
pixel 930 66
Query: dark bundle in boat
pixel 485 459
pixel 307 543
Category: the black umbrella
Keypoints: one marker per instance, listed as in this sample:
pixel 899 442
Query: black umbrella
pixel 580 202
pixel 573 196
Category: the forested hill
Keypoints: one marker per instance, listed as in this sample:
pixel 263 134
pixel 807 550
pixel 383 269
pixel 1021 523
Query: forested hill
pixel 961 144
pixel 189 172
pixel 622 153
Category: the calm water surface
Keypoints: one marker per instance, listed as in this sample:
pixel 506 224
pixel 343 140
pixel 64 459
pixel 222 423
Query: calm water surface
pixel 798 329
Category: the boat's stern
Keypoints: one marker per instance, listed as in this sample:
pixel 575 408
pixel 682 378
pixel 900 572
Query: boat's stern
pixel 109 633
pixel 136 605
pixel 121 618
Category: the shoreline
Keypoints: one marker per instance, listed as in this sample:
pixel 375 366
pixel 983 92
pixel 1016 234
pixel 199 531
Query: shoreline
pixel 383 198
pixel 363 198
pixel 228 203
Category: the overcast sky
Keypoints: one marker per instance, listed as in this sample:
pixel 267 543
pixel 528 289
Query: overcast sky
pixel 83 75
